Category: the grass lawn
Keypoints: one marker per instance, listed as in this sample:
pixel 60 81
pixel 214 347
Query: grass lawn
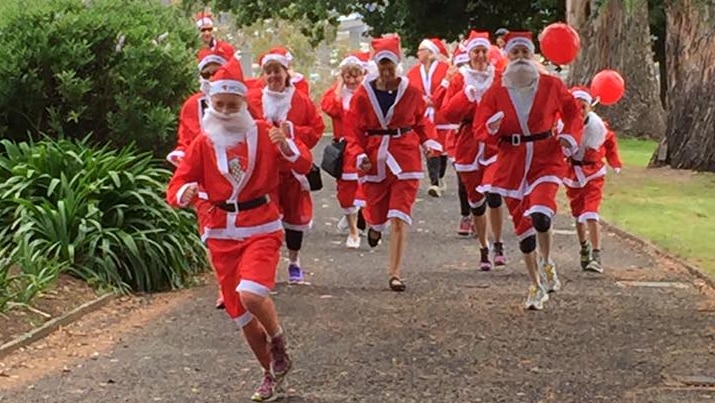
pixel 674 209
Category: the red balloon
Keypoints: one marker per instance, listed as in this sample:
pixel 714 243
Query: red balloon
pixel 608 86
pixel 560 43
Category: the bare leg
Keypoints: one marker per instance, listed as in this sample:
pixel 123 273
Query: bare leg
pixel 544 241
pixel 532 268
pixel 263 309
pixel 496 221
pixel 398 239
pixel 594 232
pixel 480 224
pixel 581 232
pixel 352 224
pixel 258 341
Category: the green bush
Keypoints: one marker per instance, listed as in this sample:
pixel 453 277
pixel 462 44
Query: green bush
pixel 117 69
pixel 97 213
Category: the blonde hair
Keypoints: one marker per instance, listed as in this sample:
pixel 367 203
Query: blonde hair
pixel 352 69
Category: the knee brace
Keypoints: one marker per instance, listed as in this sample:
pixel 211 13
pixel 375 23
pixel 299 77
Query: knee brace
pixel 479 211
pixel 494 200
pixel 528 244
pixel 541 221
pixel 294 239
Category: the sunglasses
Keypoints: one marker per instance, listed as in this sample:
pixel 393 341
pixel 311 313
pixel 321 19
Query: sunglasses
pixel 207 29
pixel 207 74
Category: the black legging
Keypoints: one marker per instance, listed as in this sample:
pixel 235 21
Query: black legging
pixel 437 168
pixel 294 239
pixel 463 200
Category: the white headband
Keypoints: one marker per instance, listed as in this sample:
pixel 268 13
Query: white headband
pixel 228 87
pixel 517 42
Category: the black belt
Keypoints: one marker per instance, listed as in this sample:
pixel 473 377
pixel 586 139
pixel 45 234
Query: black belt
pixel 240 206
pixel 516 139
pixel 581 163
pixel 389 132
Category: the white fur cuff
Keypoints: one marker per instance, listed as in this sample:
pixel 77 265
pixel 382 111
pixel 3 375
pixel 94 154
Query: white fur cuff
pixel 569 138
pixel 181 192
pixel 434 145
pixel 293 148
pixel 495 118
pixel 360 159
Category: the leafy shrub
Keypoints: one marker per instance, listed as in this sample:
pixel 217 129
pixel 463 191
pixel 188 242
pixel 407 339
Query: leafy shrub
pixel 97 213
pixel 117 69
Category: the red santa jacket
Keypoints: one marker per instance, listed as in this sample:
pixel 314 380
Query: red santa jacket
pixel 239 173
pixel 462 100
pixel 399 153
pixel 429 83
pixel 337 108
pixel 521 165
pixel 189 125
pixel 598 142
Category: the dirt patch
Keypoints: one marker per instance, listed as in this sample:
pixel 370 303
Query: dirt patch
pixel 67 294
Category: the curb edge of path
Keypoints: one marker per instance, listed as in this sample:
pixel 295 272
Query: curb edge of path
pixel 53 324
pixel 694 270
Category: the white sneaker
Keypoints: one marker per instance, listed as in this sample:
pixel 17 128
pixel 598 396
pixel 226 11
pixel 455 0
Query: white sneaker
pixel 434 191
pixel 353 243
pixel 536 298
pixel 343 224
pixel 550 277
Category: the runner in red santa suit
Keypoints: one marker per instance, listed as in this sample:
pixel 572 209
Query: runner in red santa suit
pixel 192 112
pixel 473 158
pixel 586 177
pixel 385 126
pixel 428 76
pixel 280 103
pixel 335 103
pixel 235 163
pixel 205 23
pixel 518 114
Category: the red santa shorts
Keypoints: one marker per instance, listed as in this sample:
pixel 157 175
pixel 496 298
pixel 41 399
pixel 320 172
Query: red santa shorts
pixel 585 202
pixel 471 180
pixel 391 198
pixel 245 266
pixel 542 199
pixel 350 195
pixel 295 203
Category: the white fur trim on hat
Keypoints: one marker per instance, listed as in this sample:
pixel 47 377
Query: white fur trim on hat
pixel 283 60
pixel 519 41
pixel 386 54
pixel 429 45
pixel 461 58
pixel 228 87
pixel 351 60
pixel 205 22
pixel 478 42
pixel 584 96
pixel 211 59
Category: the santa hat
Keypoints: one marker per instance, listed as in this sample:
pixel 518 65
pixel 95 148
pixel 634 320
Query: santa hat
pixel 460 55
pixel 477 39
pixel 434 45
pixel 519 39
pixel 358 58
pixel 229 80
pixel 386 48
pixel 583 94
pixel 216 55
pixel 203 20
pixel 277 54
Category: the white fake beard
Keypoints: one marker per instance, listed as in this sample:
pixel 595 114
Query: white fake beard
pixel 594 132
pixel 277 104
pixel 345 96
pixel 521 73
pixel 226 130
pixel 205 85
pixel 481 80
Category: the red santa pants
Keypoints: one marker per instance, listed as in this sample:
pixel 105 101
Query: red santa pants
pixel 295 203
pixel 585 202
pixel 471 180
pixel 247 265
pixel 350 195
pixel 542 199
pixel 391 198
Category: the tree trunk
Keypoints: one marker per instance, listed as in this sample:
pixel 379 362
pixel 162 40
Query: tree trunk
pixel 690 49
pixel 619 39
